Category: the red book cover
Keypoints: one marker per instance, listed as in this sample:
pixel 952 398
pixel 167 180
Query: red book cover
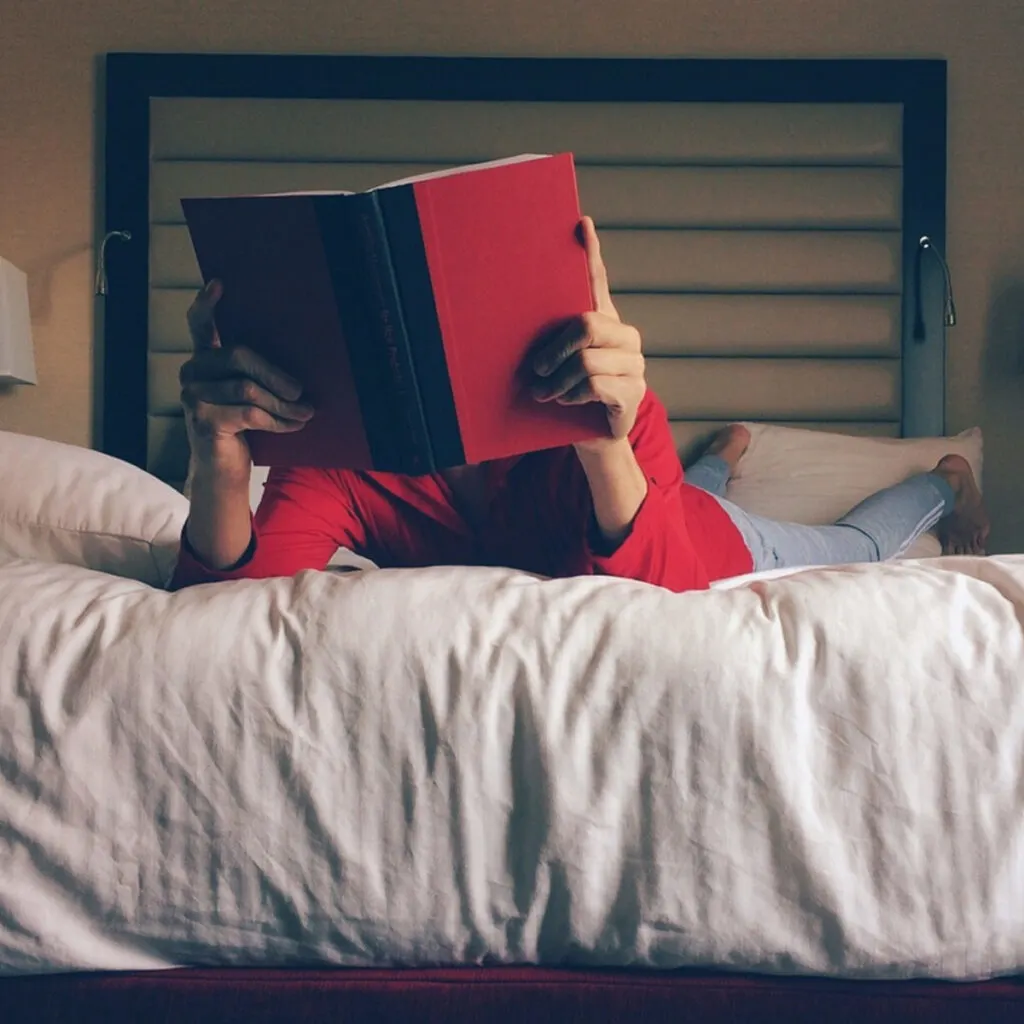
pixel 507 267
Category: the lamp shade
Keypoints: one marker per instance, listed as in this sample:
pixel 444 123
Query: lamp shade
pixel 17 363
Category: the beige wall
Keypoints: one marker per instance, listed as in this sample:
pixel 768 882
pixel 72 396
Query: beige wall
pixel 49 53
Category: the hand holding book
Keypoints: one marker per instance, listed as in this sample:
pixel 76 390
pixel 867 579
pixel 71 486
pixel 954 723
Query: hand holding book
pixel 595 357
pixel 227 391
pixel 598 358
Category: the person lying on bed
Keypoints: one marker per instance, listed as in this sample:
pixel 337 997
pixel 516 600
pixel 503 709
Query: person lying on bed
pixel 616 506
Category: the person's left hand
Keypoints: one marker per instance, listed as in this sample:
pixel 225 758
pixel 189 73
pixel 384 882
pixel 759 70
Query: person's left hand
pixel 595 357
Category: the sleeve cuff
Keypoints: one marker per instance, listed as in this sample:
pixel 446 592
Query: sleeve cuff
pixel 625 557
pixel 656 550
pixel 191 569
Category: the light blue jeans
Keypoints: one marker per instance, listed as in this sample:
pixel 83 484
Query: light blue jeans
pixel 881 527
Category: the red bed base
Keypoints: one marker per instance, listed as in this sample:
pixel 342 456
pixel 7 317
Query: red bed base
pixel 493 996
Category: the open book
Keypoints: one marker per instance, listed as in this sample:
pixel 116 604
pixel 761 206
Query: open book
pixel 408 312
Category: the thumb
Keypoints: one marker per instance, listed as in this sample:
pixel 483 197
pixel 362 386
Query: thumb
pixel 598 272
pixel 201 324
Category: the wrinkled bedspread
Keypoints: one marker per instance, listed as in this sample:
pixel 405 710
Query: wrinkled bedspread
pixel 818 773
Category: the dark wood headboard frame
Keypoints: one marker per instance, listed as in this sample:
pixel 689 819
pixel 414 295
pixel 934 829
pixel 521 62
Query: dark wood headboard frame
pixel 133 79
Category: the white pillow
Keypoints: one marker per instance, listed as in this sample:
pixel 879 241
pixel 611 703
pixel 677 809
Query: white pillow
pixel 62 503
pixel 815 477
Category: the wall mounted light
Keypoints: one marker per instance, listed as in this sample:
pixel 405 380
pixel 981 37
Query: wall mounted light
pixel 17 362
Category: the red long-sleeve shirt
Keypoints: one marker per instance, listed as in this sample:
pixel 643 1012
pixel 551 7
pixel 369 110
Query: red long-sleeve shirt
pixel 539 516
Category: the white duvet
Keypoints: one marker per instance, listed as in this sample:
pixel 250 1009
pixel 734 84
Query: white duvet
pixel 820 773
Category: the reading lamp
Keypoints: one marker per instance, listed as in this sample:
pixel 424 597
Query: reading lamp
pixel 17 364
pixel 925 244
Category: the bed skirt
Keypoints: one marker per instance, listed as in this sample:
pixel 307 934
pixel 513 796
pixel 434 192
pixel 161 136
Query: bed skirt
pixel 494 995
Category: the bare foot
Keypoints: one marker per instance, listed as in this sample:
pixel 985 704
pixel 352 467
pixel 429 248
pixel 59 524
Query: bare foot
pixel 965 531
pixel 730 443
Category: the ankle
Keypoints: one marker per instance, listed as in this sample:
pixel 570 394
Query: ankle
pixel 953 469
pixel 948 486
pixel 951 479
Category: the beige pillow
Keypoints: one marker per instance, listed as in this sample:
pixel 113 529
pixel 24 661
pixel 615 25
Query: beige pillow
pixel 815 477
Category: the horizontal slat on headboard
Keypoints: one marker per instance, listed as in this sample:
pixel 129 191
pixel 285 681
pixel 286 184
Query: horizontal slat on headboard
pixel 461 132
pixel 765 325
pixel 757 247
pixel 778 389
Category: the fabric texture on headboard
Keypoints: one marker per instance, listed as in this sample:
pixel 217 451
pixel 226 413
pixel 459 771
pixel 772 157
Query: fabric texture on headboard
pixel 756 246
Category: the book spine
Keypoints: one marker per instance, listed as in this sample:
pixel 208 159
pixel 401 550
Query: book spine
pixel 426 341
pixel 372 319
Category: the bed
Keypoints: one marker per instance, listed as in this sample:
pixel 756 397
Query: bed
pixel 803 801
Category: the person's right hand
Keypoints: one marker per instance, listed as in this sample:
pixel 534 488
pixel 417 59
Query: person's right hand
pixel 227 391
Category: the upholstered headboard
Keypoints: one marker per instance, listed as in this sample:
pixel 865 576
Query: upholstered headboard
pixel 760 220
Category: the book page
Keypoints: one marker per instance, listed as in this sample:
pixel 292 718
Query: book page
pixel 268 195
pixel 314 192
pixel 446 173
pixel 464 169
